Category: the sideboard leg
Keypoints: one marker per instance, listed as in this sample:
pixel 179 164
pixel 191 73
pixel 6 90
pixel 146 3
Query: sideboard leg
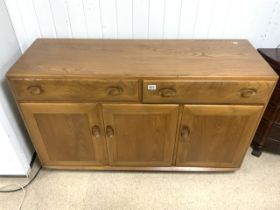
pixel 257 150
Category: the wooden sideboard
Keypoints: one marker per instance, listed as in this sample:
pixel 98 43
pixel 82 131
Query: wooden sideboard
pixel 141 104
pixel 268 133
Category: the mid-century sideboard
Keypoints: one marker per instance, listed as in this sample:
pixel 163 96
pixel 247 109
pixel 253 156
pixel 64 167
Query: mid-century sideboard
pixel 141 104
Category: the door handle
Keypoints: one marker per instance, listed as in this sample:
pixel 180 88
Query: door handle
pixel 167 92
pixel 109 131
pixel 185 132
pixel 95 130
pixel 248 92
pixel 114 91
pixel 34 90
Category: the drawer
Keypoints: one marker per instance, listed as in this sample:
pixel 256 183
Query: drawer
pixel 263 126
pixel 186 91
pixel 277 117
pixel 275 67
pixel 274 132
pixel 269 112
pixel 71 90
pixel 275 98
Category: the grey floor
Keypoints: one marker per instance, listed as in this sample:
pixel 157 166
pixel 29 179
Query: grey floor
pixel 255 186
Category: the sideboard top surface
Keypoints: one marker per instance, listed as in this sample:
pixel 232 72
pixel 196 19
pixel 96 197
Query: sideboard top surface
pixel 142 58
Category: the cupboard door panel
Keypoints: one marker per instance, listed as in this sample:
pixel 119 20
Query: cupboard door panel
pixel 66 134
pixel 216 135
pixel 140 135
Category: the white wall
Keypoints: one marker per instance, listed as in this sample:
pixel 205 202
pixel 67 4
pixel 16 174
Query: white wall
pixel 15 148
pixel 256 20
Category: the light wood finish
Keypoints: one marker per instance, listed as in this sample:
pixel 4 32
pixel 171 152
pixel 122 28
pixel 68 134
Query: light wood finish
pixel 142 58
pixel 76 90
pixel 216 135
pixel 190 91
pixel 86 104
pixel 140 135
pixel 62 133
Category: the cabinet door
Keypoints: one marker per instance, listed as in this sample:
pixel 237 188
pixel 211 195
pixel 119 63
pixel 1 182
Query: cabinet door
pixel 66 134
pixel 140 135
pixel 216 135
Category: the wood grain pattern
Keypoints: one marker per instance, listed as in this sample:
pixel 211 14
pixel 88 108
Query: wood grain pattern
pixel 142 58
pixel 218 134
pixel 208 100
pixel 61 133
pixel 144 135
pixel 210 91
pixel 76 90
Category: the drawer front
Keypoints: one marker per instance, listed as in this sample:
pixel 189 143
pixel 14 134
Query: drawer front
pixel 185 91
pixel 269 112
pixel 275 67
pixel 263 126
pixel 61 90
pixel 275 98
pixel 274 132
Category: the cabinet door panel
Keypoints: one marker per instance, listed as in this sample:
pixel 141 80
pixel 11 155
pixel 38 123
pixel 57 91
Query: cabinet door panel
pixel 62 133
pixel 142 135
pixel 216 135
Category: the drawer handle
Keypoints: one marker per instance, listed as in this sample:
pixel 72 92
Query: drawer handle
pixel 35 90
pixel 167 92
pixel 109 131
pixel 95 130
pixel 185 132
pixel 247 92
pixel 114 91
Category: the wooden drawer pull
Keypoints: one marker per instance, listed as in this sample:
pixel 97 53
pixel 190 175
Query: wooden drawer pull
pixel 114 91
pixel 109 131
pixel 35 90
pixel 185 132
pixel 167 92
pixel 247 92
pixel 95 130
